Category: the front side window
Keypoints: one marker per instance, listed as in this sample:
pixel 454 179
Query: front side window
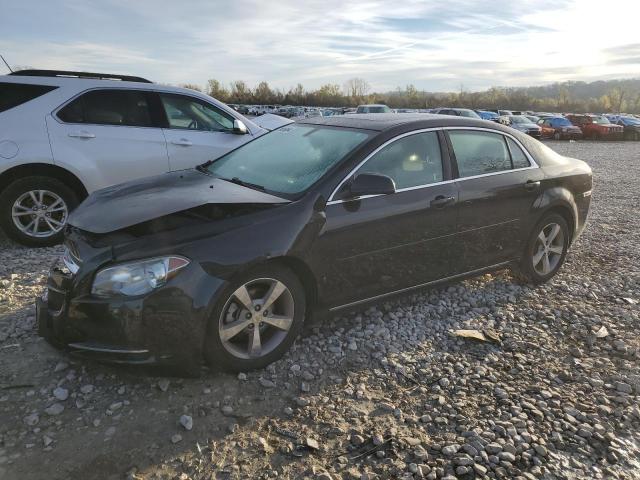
pixel 109 107
pixel 411 161
pixel 290 159
pixel 193 114
pixel 479 153
pixel 14 94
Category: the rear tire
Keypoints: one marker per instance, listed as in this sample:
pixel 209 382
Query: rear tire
pixel 45 201
pixel 241 334
pixel 545 251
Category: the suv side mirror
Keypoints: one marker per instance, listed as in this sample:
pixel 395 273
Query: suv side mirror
pixel 371 184
pixel 239 128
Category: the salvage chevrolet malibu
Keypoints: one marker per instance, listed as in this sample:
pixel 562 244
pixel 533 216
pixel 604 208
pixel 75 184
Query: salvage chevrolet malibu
pixel 224 262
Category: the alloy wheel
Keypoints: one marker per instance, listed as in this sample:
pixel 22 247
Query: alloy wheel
pixel 39 213
pixel 548 249
pixel 256 318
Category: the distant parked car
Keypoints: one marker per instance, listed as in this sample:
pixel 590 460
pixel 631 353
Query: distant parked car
pixel 630 125
pixel 487 115
pixel 533 118
pixel 597 127
pixel 505 113
pixel 64 135
pixel 373 108
pixel 523 124
pixel 559 128
pixel 459 112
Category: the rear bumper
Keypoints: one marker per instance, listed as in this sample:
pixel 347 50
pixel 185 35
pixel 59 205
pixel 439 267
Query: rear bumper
pixel 165 327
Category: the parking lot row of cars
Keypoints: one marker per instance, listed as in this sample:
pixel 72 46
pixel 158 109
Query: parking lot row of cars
pixel 64 135
pixel 541 125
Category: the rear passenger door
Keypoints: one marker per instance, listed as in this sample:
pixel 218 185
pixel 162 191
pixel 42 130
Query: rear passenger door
pixel 108 136
pixel 197 131
pixel 498 184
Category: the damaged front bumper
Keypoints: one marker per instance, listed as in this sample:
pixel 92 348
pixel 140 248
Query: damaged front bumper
pixel 165 327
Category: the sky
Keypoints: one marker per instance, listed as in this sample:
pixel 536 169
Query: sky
pixel 434 45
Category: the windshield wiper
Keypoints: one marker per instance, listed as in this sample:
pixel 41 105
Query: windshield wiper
pixel 237 181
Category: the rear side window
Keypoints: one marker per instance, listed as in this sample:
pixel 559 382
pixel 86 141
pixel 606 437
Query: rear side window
pixel 411 161
pixel 518 158
pixel 109 107
pixel 14 94
pixel 479 153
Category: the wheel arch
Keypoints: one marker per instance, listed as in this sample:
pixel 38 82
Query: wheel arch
pixel 560 201
pixel 43 169
pixel 304 274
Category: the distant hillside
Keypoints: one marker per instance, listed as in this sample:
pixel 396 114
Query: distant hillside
pixel 585 90
pixel 598 96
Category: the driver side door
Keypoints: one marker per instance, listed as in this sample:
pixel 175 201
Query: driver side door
pixel 374 245
pixel 197 131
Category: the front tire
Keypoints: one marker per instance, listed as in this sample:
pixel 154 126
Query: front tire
pixel 256 320
pixel 34 210
pixel 546 250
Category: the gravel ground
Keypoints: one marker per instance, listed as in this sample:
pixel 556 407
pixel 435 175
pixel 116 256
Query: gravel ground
pixel 385 392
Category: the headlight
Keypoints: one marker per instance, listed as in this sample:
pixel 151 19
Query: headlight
pixel 136 278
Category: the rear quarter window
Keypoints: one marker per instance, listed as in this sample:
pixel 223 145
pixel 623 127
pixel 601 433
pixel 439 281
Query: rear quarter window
pixel 14 94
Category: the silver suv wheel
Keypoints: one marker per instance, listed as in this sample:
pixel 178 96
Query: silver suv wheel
pixel 39 213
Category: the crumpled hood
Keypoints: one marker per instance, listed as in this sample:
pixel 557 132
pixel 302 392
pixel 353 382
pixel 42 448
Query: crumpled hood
pixel 120 206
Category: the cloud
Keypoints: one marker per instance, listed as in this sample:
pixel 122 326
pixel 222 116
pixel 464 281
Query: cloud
pixel 435 46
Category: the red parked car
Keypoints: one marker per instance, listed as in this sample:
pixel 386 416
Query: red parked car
pixel 597 127
pixel 559 128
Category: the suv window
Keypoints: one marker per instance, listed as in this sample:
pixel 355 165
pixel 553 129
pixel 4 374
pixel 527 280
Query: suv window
pixel 478 153
pixel 518 158
pixel 14 94
pixel 127 108
pixel 193 114
pixel 410 161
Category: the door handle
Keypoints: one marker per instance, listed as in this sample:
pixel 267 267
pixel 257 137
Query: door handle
pixel 441 201
pixel 532 185
pixel 183 142
pixel 82 134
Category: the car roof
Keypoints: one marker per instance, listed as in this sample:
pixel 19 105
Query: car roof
pixel 385 121
pixel 81 83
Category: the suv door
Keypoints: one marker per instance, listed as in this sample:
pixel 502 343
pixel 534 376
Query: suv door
pixel 375 245
pixel 498 184
pixel 108 136
pixel 197 131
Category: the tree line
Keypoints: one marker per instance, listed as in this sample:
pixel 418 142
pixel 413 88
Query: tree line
pixel 600 96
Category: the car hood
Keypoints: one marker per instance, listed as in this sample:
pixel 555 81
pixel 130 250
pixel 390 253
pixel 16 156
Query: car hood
pixel 268 121
pixel 121 206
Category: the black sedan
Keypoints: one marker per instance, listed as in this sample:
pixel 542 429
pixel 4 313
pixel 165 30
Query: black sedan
pixel 223 263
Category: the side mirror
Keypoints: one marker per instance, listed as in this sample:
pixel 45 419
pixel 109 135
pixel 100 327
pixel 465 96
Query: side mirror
pixel 371 184
pixel 239 128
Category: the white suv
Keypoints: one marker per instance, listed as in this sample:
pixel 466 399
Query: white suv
pixel 66 134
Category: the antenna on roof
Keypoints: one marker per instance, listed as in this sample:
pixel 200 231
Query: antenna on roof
pixel 5 62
